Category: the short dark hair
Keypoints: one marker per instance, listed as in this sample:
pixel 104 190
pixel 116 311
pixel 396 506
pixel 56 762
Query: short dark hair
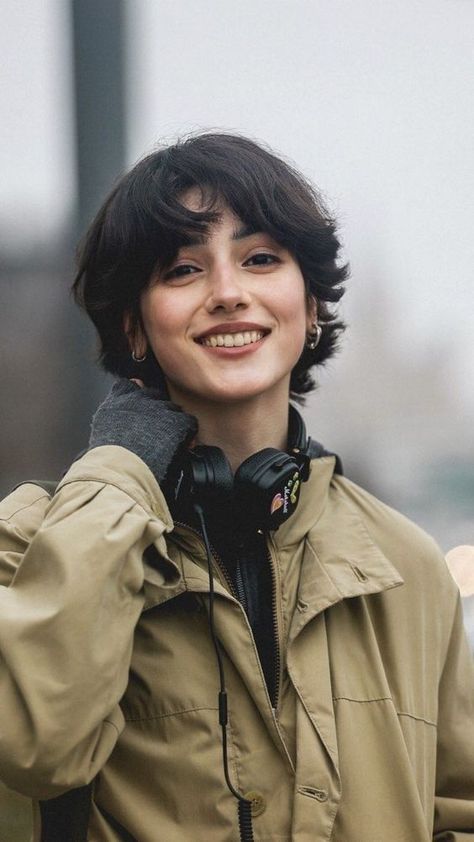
pixel 142 224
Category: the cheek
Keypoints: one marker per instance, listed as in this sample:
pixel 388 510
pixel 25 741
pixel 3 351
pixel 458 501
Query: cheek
pixel 156 328
pixel 165 322
pixel 158 318
pixel 295 313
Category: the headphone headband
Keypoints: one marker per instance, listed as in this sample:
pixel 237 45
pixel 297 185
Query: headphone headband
pixel 299 443
pixel 297 438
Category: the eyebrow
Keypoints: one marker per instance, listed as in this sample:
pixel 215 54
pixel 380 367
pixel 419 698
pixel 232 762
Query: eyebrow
pixel 246 231
pixel 241 233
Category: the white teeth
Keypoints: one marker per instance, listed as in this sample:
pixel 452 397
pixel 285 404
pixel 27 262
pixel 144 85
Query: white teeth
pixel 232 340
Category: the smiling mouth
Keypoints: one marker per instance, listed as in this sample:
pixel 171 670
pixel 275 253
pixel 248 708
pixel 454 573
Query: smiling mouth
pixel 232 340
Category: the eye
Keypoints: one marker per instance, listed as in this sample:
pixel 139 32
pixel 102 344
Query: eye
pixel 182 273
pixel 263 258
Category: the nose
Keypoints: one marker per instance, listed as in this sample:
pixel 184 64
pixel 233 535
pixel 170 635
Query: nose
pixel 227 290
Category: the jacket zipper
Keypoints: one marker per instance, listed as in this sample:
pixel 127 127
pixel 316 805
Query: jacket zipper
pixel 276 638
pixel 239 586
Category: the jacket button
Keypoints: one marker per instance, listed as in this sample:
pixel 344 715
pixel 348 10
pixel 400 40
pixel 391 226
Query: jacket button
pixel 258 803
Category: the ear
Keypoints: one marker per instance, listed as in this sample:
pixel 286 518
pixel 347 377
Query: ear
pixel 311 312
pixel 137 340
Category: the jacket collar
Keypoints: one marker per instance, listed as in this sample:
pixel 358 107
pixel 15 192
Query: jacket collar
pixel 341 560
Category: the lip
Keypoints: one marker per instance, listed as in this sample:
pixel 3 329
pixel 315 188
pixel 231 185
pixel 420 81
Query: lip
pixel 232 327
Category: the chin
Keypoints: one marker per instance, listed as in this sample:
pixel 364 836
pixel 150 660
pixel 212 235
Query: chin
pixel 239 392
pixel 231 388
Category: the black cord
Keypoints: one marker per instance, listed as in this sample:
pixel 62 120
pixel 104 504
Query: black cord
pixel 244 805
pixel 245 820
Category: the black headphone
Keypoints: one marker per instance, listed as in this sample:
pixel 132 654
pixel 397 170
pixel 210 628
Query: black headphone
pixel 264 490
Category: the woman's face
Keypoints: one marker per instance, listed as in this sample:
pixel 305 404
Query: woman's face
pixel 228 320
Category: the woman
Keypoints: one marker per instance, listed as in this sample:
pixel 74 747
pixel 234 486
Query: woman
pixel 318 675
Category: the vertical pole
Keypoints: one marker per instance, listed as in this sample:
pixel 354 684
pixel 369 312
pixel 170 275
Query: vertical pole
pixel 98 36
pixel 99 82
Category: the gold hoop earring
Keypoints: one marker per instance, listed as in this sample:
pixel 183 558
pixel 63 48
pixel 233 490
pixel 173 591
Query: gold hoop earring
pixel 314 336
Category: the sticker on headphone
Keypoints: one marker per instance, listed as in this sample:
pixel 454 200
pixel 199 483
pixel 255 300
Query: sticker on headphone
pixel 294 490
pixel 290 494
pixel 277 503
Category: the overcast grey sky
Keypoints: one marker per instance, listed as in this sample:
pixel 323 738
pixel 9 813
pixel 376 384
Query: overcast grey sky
pixel 36 155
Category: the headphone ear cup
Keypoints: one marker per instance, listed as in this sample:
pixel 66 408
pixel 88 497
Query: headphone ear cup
pixel 204 476
pixel 267 486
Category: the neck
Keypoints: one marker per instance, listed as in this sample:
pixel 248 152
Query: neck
pixel 243 428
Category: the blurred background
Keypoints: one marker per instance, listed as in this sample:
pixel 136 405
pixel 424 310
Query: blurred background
pixel 372 101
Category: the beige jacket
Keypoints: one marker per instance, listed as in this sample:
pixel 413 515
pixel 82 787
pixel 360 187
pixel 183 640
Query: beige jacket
pixel 107 668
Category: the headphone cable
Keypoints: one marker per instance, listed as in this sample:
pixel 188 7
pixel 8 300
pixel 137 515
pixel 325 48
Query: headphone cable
pixel 244 805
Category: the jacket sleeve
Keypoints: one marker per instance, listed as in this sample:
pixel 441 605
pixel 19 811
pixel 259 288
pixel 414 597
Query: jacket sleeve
pixel 68 616
pixel 454 803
